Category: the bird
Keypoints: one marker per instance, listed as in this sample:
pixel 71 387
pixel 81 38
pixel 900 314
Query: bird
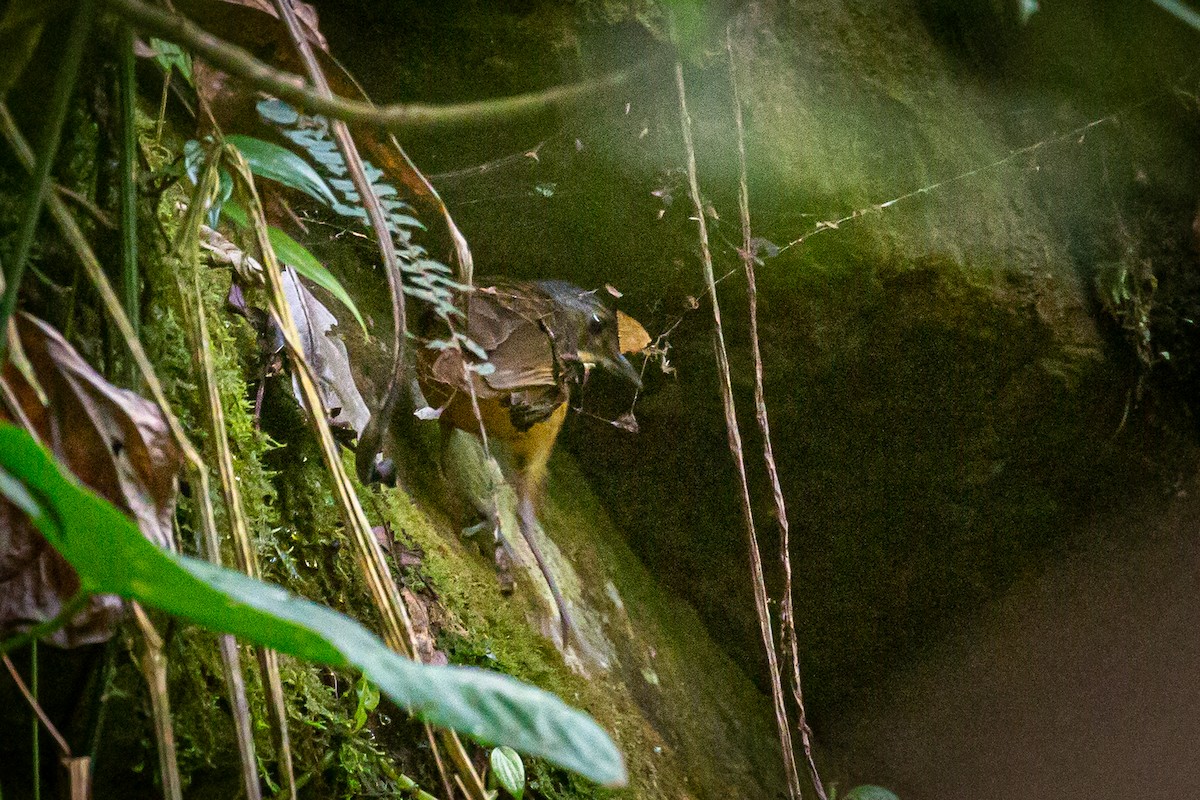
pixel 540 339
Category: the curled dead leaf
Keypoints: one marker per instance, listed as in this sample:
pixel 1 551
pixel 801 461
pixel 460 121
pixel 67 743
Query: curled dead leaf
pixel 632 337
pixel 328 356
pixel 627 422
pixel 323 348
pixel 115 442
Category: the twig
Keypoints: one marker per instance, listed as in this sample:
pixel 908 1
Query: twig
pixel 787 620
pixel 239 708
pixel 36 706
pixel 87 205
pixel 735 447
pixel 154 669
pixel 375 215
pixel 524 157
pixel 1077 134
pixel 286 86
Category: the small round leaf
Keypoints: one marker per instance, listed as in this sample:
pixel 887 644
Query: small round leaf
pixel 507 771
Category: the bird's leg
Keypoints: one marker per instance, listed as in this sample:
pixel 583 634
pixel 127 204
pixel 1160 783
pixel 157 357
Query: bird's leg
pixel 501 554
pixel 503 559
pixel 527 520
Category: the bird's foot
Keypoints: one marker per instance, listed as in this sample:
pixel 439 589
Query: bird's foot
pixel 504 572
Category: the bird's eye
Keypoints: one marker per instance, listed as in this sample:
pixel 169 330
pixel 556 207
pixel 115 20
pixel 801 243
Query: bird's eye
pixel 595 324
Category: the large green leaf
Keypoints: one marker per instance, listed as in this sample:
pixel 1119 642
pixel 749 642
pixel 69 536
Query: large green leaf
pixel 111 556
pixel 269 160
pixel 298 257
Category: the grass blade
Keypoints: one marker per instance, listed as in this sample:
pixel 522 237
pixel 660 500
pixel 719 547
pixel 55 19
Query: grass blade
pixel 130 280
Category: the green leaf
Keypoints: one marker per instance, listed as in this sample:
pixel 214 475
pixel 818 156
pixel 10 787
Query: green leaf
pixel 169 55
pixel 368 700
pixel 269 160
pixel 111 556
pixel 507 771
pixel 868 792
pixel 298 257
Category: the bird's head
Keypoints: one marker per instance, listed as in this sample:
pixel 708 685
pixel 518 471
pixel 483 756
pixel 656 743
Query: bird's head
pixel 587 331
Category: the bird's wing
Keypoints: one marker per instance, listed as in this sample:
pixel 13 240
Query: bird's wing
pixel 509 325
pixel 524 359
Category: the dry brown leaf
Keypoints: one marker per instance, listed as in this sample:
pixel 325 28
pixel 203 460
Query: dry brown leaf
pixel 115 442
pixel 632 336
pixel 327 354
pixel 323 348
pixel 422 633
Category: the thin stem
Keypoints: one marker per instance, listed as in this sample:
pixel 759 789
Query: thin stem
pixel 735 448
pixel 101 699
pixel 30 693
pixel 787 620
pixel 239 710
pixel 154 669
pixel 375 214
pixel 60 101
pixel 32 696
pixel 286 86
pixel 200 343
pixel 130 280
pixel 391 262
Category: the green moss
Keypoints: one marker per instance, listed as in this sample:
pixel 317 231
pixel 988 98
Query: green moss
pixel 297 533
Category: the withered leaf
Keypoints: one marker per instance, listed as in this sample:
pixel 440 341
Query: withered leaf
pixel 327 354
pixel 626 422
pixel 422 632
pixel 323 349
pixel 115 442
